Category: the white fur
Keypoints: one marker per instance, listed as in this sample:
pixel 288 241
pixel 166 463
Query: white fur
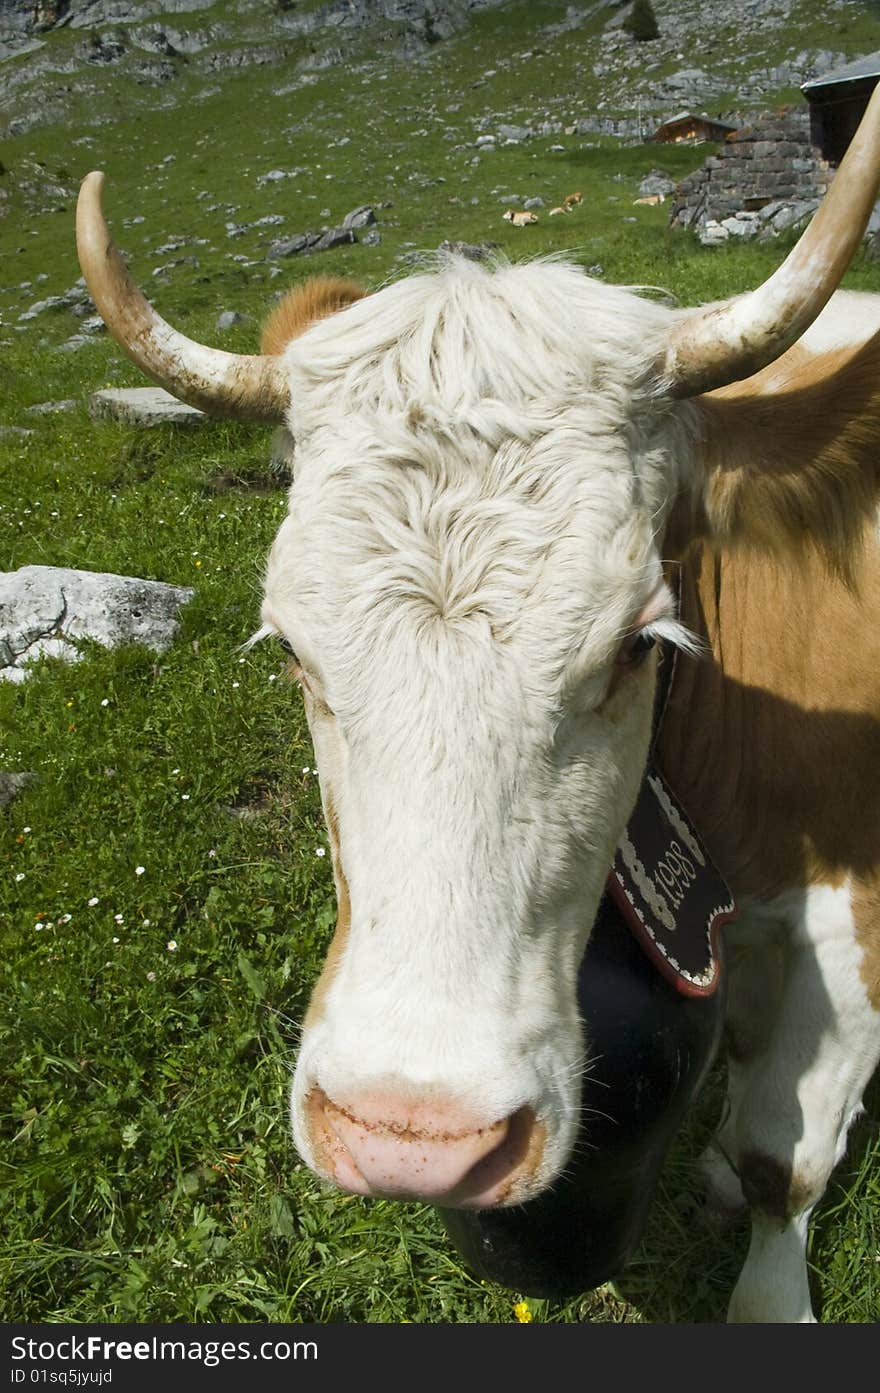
pixel 795 1096
pixel 472 532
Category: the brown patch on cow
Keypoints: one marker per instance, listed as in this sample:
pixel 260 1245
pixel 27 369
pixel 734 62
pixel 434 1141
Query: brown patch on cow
pixel 315 299
pixel 771 1187
pixel 343 918
pixel 774 747
pixel 866 914
pixel 793 454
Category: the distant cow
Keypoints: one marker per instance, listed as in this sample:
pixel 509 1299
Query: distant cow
pixel 652 199
pixel 520 219
pixel 571 200
pixel 498 474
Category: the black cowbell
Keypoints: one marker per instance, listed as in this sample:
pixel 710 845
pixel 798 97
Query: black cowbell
pixel 652 1048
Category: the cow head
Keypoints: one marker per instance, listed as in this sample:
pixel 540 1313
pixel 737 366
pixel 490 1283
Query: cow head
pixel 470 576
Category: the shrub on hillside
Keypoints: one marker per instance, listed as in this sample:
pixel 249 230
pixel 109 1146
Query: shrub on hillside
pixel 641 22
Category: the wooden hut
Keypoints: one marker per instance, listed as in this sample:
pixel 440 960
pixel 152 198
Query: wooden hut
pixel 837 104
pixel 692 128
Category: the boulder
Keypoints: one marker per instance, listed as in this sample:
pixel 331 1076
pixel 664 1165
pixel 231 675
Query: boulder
pixel 143 406
pixel 11 785
pixel 45 610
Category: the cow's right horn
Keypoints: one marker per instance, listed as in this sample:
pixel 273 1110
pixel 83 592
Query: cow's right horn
pixel 245 387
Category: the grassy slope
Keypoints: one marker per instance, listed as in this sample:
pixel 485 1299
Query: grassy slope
pixel 151 1176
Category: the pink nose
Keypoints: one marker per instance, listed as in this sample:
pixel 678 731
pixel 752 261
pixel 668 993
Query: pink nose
pixel 379 1144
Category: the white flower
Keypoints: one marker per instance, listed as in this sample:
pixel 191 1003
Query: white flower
pixel 115 939
pixel 236 684
pixel 184 797
pixel 64 919
pixel 151 976
pixel 146 923
pixel 212 853
pixel 320 851
pixel 171 945
pixel 20 875
pixel 105 702
pixel 118 919
pixel 93 901
pixel 139 870
pixel 25 829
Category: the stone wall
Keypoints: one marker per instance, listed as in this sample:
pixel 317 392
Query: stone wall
pixel 765 177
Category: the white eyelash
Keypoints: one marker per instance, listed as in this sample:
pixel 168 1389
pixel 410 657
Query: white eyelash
pixel 679 635
pixel 264 631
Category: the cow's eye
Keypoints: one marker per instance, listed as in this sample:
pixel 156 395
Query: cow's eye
pixel 635 649
pixel 288 649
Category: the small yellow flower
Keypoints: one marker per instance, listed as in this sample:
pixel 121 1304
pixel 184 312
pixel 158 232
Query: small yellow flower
pixel 522 1312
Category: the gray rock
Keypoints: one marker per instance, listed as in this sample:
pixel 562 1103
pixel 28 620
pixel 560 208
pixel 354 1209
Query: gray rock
pixel 474 251
pixel 371 238
pixel 53 408
pixel 334 237
pixel 229 318
pixel 740 226
pixel 712 234
pixel 656 182
pixel 793 213
pixel 516 133
pixel 143 406
pixel 359 217
pixel 307 242
pixel 51 302
pixel 47 610
pixel 11 785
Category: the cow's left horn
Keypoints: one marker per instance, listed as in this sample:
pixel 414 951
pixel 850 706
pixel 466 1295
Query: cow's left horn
pixel 246 387
pixel 735 339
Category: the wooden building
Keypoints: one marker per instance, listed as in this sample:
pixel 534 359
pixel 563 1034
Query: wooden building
pixel 837 104
pixel 692 128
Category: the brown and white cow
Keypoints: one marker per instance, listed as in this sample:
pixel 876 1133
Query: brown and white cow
pixel 496 472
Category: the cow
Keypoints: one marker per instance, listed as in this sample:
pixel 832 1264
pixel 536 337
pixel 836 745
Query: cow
pixel 519 218
pixel 511 483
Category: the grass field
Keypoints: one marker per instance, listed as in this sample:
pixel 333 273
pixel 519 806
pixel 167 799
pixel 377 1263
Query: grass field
pixel 165 899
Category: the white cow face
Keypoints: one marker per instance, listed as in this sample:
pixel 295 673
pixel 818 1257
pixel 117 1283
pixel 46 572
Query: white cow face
pixel 473 611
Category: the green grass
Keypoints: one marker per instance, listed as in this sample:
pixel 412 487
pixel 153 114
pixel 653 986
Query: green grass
pixel 147 1171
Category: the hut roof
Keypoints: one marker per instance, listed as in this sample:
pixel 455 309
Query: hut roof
pixel 701 116
pixel 866 67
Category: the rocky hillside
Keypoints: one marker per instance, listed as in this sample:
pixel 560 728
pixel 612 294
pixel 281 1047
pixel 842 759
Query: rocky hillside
pixel 55 54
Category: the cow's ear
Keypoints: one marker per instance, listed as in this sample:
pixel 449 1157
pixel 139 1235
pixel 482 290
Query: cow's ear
pixel 307 303
pixel 790 458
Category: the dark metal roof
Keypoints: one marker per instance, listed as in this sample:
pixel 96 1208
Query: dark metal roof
pixel 869 66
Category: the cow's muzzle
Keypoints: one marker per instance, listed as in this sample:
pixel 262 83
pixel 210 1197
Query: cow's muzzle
pixel 383 1145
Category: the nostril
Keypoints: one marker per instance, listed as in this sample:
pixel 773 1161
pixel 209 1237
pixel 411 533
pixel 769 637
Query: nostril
pixel 384 1146
pixel 516 1157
